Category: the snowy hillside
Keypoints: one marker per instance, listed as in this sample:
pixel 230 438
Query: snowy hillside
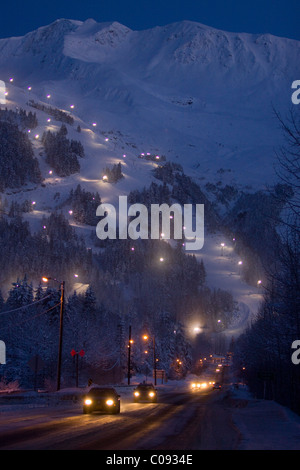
pixel 199 96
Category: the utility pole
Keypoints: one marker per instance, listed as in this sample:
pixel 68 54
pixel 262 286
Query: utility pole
pixel 129 356
pixel 154 360
pixel 61 322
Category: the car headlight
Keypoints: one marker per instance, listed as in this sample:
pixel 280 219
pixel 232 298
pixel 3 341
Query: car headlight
pixel 136 394
pixel 109 402
pixel 88 401
pixel 198 385
pixel 151 394
pixel 193 385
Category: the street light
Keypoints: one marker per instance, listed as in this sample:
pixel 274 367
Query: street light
pixel 130 341
pixel 145 337
pixel 62 299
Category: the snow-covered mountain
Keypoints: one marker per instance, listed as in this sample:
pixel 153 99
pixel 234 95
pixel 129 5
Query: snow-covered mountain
pixel 200 96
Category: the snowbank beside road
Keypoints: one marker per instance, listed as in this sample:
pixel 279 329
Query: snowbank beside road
pixel 264 424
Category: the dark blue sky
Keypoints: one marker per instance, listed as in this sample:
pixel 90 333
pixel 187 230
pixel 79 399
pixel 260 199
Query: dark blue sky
pixel 278 17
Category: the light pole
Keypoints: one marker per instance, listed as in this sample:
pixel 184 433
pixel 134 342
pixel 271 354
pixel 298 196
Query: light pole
pixel 130 341
pixel 61 322
pixel 145 337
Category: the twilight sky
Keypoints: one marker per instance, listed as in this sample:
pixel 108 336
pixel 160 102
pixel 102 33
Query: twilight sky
pixel 278 17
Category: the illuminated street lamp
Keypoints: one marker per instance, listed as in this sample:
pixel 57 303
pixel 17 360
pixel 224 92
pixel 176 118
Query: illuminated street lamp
pixel 130 341
pixel 62 299
pixel 145 338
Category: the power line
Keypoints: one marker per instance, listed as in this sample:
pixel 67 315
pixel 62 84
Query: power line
pixel 25 306
pixel 31 318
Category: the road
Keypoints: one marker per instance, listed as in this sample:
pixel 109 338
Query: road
pixel 181 420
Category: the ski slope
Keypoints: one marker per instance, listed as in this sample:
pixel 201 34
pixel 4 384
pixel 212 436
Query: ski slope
pixel 202 97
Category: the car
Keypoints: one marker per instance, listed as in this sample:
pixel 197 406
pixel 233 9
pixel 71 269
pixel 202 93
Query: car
pixel 101 399
pixel 145 392
pixel 217 386
pixel 196 386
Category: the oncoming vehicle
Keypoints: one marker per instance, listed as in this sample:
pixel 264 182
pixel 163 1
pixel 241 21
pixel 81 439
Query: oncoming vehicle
pixel 145 392
pixel 101 399
pixel 200 385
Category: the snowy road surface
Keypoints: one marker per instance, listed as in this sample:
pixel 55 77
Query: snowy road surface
pixel 180 420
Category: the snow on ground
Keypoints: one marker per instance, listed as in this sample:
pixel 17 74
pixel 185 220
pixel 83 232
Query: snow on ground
pixel 265 425
pixel 262 424
pixel 224 272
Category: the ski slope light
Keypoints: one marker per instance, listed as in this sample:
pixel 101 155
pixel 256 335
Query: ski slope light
pixel 2 92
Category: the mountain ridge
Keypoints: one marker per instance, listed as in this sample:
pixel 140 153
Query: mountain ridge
pixel 201 96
